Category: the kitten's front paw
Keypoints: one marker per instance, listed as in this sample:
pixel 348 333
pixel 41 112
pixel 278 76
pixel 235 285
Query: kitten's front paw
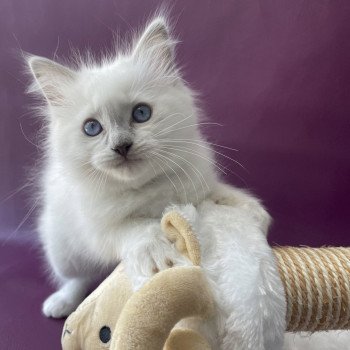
pixel 59 305
pixel 145 261
pixel 252 206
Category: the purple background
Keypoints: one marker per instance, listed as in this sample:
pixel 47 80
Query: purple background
pixel 276 73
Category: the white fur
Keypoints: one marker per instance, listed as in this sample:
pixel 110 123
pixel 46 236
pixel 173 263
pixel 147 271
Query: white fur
pixel 240 265
pixel 332 340
pixel 98 210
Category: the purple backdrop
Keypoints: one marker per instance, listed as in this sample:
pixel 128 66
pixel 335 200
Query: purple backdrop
pixel 276 73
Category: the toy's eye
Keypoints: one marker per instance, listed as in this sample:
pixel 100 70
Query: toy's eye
pixel 105 334
pixel 92 127
pixel 141 113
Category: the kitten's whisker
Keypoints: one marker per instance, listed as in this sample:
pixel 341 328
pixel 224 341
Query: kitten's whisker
pixel 217 152
pixel 13 193
pixel 106 178
pixel 199 142
pixel 151 164
pixel 30 211
pixel 158 156
pixel 218 165
pixel 168 127
pixel 100 181
pixel 96 178
pixel 215 163
pixel 23 221
pixel 165 173
pixel 97 188
pixel 185 172
pixel 24 114
pixel 25 136
pixel 164 119
pixel 14 77
pixel 89 173
pixel 84 164
pixel 195 169
pixel 188 126
pixel 93 181
pixel 177 175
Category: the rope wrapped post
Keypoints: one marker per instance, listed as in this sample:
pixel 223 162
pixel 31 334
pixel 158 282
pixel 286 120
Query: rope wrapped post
pixel 317 287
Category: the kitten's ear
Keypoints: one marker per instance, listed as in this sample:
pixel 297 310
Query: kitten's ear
pixel 52 78
pixel 155 43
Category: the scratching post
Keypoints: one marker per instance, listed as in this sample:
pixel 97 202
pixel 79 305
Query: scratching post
pixel 317 287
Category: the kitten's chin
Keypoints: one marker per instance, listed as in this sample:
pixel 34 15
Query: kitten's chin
pixel 127 171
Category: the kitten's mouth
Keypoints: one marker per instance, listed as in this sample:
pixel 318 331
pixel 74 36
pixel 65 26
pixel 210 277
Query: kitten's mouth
pixel 127 161
pixel 123 167
pixel 123 163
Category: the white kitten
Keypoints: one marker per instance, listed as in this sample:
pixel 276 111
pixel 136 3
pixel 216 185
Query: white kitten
pixel 122 144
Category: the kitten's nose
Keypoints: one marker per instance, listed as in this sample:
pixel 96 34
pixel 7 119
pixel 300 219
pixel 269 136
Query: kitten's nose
pixel 123 149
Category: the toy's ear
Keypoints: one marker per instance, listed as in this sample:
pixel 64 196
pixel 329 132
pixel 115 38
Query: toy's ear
pixel 178 226
pixel 186 339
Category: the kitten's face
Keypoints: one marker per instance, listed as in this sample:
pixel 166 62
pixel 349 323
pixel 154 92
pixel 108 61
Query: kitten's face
pixel 116 118
pixel 118 128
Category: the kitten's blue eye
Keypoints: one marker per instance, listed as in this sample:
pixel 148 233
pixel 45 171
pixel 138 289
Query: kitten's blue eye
pixel 92 127
pixel 141 113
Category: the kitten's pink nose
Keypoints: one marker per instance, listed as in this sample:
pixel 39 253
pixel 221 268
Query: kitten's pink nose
pixel 123 149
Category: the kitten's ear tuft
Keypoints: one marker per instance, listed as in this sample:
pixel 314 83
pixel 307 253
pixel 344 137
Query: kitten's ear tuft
pixel 156 42
pixel 51 78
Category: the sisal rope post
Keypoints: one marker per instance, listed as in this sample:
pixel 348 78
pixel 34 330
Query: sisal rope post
pixel 317 287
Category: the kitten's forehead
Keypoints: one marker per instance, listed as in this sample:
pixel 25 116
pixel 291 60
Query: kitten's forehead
pixel 123 81
pixel 114 82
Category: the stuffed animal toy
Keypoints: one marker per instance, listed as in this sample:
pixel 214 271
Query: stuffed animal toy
pixel 113 317
pixel 316 290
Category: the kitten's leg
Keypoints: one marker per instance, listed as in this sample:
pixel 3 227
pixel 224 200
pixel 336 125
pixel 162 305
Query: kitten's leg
pixel 228 195
pixel 64 301
pixel 73 273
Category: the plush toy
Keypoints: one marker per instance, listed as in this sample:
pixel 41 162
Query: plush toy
pixel 113 318
pixel 116 318
pixel 316 284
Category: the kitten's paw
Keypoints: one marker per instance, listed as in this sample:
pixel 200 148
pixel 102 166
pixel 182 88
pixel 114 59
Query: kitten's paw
pixel 59 305
pixel 249 204
pixel 144 262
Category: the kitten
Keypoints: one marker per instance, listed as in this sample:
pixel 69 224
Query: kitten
pixel 122 143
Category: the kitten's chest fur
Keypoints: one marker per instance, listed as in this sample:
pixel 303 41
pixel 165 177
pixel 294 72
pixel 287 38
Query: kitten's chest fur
pixel 103 208
pixel 116 206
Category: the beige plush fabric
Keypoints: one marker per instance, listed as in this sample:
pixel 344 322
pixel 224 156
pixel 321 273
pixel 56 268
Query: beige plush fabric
pixel 186 339
pixel 179 231
pixel 153 311
pixel 101 308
